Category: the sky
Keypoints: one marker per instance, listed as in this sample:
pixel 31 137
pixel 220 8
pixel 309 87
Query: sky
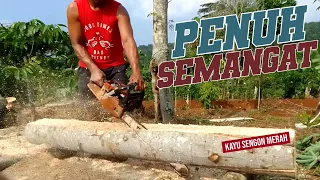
pixel 54 12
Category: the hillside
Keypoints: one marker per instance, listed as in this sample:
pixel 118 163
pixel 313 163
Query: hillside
pixel 312 31
pixel 147 50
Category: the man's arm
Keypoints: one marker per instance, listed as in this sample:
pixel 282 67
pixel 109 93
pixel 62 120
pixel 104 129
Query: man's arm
pixel 128 41
pixel 78 43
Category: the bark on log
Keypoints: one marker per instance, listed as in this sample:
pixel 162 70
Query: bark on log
pixel 186 144
pixel 6 162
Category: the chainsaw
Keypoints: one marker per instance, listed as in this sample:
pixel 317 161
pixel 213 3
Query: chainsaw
pixel 119 100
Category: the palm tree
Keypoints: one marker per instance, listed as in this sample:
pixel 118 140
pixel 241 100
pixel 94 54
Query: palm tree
pixel 315 2
pixel 226 7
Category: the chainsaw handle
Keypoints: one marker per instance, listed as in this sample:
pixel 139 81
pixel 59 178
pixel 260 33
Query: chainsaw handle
pixel 126 89
pixel 132 86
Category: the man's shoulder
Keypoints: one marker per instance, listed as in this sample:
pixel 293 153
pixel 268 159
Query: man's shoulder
pixel 122 11
pixel 73 5
pixel 72 11
pixel 116 2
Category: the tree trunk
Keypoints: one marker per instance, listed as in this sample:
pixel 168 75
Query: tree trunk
pixel 6 162
pixel 188 96
pixel 188 99
pixel 175 99
pixel 154 71
pixel 307 94
pixel 166 106
pixel 255 93
pixel 160 53
pixel 187 144
pixel 259 92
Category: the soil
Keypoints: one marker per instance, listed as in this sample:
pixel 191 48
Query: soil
pixel 45 166
pixel 38 163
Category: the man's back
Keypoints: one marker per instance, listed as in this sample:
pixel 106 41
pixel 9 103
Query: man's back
pixel 101 32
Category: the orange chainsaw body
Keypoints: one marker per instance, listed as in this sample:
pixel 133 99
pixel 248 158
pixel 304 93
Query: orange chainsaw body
pixel 111 104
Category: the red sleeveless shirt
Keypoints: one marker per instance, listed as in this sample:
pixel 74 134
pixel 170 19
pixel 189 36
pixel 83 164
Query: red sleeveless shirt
pixel 102 34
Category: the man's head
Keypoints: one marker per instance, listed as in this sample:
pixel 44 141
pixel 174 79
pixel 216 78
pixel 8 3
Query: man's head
pixel 99 3
pixel 10 101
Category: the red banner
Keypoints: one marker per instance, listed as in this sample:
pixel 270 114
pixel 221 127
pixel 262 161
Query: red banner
pixel 255 142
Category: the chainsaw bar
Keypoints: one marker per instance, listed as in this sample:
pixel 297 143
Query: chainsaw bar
pixel 131 122
pixel 111 104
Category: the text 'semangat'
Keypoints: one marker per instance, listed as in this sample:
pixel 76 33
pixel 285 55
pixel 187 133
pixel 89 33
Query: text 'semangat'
pixel 263 60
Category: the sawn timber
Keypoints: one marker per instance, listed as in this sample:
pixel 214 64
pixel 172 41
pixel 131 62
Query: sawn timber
pixel 185 144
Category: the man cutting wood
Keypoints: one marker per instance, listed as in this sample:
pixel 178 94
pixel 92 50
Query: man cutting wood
pixel 100 32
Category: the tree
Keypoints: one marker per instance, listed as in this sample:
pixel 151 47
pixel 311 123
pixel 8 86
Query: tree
pixel 160 53
pixel 26 47
pixel 312 31
pixel 226 7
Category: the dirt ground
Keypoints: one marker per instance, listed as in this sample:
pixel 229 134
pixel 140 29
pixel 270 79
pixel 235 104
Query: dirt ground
pixel 37 163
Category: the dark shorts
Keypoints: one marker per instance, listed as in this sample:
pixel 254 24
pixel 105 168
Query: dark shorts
pixel 117 73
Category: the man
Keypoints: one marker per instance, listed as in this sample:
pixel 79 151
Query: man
pixel 100 32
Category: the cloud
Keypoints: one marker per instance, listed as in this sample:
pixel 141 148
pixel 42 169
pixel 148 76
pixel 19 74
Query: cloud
pixel 186 9
pixel 138 8
pixel 5 22
pixel 312 13
pixel 176 10
pixel 181 8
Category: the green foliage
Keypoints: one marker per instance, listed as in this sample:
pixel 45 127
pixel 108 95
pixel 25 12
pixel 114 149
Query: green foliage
pixel 305 119
pixel 315 56
pixel 291 84
pixel 43 56
pixel 29 69
pixel 30 51
pixel 208 92
pixel 309 151
pixel 225 7
pixel 312 31
pixel 270 4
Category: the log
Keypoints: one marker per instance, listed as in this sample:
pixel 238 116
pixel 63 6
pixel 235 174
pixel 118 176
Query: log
pixel 185 144
pixel 6 162
pixel 230 119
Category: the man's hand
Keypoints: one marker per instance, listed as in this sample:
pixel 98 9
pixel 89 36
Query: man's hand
pixel 130 47
pixel 97 77
pixel 137 78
